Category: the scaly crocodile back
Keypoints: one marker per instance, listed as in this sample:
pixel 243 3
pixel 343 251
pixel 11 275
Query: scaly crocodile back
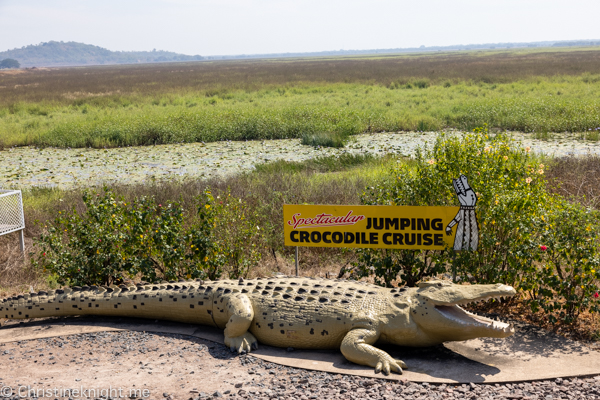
pixel 320 310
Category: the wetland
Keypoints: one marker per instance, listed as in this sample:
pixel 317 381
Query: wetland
pixel 28 166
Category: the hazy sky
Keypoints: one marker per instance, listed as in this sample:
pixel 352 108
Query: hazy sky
pixel 218 27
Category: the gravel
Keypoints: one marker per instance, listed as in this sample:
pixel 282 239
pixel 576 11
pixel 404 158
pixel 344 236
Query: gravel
pixel 291 383
pixel 260 379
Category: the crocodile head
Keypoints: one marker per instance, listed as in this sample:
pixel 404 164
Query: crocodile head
pixel 436 309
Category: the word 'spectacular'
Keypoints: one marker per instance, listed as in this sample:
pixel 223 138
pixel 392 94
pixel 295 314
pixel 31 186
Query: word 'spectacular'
pixel 391 227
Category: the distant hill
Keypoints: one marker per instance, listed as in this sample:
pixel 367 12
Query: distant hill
pixel 54 54
pixel 421 49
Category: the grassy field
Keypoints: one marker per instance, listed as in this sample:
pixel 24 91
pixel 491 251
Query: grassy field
pixel 536 91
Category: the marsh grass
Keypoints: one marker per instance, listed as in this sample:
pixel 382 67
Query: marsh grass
pixel 324 139
pixel 343 162
pixel 592 135
pixel 546 136
pixel 111 106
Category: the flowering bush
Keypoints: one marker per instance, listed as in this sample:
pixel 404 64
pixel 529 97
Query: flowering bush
pixel 510 189
pixel 528 238
pixel 567 280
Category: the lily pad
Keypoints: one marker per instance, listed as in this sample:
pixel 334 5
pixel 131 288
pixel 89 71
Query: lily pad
pixel 25 167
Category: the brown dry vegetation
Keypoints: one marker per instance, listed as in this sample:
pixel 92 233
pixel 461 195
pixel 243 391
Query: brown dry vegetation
pixel 578 179
pixel 103 83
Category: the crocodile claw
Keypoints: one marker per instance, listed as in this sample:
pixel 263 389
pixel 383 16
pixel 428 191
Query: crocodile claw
pixel 388 365
pixel 242 344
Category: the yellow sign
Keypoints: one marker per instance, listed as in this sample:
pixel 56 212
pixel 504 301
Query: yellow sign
pixel 391 227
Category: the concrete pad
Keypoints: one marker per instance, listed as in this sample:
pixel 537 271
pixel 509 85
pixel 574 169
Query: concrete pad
pixel 530 354
pixel 53 327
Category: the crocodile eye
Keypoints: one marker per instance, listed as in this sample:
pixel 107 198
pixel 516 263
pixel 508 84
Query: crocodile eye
pixel 440 285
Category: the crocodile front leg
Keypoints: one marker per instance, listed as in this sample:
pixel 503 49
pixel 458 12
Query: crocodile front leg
pixel 357 347
pixel 241 314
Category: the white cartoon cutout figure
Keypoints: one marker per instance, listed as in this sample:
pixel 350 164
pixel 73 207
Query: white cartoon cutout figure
pixel 467 231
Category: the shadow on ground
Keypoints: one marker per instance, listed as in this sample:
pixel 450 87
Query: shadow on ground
pixel 530 354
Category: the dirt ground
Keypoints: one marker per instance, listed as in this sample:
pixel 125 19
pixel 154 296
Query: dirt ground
pixel 139 364
pixel 148 365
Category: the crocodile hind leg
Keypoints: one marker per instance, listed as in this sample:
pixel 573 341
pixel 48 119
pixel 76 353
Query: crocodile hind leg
pixel 357 347
pixel 241 314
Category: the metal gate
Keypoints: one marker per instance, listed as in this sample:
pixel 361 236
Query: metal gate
pixel 12 218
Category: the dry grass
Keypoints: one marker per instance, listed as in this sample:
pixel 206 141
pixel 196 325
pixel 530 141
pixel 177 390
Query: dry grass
pixel 16 273
pixel 106 84
pixel 577 179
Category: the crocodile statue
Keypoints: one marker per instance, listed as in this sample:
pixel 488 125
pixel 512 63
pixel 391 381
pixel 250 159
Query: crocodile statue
pixel 303 313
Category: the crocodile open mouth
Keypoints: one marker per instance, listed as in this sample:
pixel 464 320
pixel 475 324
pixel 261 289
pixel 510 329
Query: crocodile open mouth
pixel 461 316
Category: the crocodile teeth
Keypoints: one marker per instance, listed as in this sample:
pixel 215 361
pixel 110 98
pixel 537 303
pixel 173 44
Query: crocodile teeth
pixel 461 316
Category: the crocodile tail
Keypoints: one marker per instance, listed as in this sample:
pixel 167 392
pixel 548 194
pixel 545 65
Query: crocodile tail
pixel 36 305
pixel 189 302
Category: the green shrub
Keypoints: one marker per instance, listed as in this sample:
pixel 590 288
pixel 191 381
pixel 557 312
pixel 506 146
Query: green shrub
pixel 387 266
pixel 421 83
pixel 238 235
pixel 112 240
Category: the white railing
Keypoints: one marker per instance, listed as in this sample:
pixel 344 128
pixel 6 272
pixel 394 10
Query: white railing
pixel 12 218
